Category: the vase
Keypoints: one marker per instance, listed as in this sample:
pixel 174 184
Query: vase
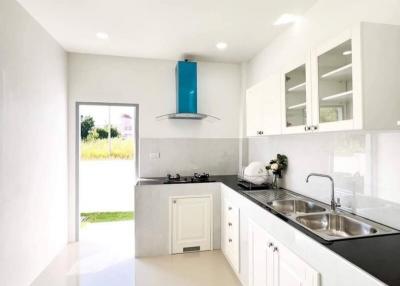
pixel 275 185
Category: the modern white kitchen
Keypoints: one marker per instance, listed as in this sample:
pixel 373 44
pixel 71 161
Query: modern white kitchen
pixel 262 138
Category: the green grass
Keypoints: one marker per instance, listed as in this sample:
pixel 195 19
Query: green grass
pixel 106 216
pixel 99 149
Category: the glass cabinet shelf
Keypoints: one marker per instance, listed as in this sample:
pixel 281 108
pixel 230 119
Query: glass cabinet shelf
pixel 335 84
pixel 296 97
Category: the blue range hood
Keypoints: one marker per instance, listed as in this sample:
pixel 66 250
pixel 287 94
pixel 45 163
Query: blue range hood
pixel 186 93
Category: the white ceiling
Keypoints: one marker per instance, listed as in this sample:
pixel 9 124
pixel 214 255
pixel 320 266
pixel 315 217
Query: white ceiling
pixel 164 29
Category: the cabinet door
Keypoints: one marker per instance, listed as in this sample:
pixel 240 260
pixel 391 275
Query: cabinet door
pixel 191 224
pixel 296 97
pixel 263 105
pixel 289 270
pixel 335 90
pixel 230 233
pixel 260 257
pixel 254 111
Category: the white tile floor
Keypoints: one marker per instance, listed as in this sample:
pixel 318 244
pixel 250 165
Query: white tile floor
pixel 105 256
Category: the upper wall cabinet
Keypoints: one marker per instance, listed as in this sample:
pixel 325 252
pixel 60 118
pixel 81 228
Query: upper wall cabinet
pixel 351 82
pixel 263 107
pixel 336 84
pixel 296 99
pixel 356 80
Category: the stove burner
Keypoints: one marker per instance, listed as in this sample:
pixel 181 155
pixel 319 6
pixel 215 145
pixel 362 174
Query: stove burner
pixel 177 177
pixel 202 177
pixel 196 178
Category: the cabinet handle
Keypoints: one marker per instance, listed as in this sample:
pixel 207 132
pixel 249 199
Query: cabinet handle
pixel 314 127
pixel 261 132
pixel 276 249
pixel 307 128
pixel 230 208
pixel 229 224
pixel 270 244
pixel 230 240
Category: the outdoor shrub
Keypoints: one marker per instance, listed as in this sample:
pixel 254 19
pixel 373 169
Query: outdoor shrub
pixel 102 132
pixel 93 135
pixel 87 124
pixel 114 132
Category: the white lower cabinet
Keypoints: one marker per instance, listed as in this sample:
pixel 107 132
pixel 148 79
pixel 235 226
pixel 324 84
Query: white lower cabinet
pixel 260 257
pixel 191 224
pixel 230 233
pixel 272 264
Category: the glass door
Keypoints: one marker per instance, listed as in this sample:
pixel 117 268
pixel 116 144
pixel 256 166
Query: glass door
pixel 296 100
pixel 334 88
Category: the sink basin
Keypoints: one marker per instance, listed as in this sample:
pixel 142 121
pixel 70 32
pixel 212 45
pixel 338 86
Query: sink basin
pixel 317 217
pixel 336 225
pixel 295 206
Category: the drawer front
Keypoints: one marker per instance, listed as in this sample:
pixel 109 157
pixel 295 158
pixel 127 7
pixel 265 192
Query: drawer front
pixel 231 234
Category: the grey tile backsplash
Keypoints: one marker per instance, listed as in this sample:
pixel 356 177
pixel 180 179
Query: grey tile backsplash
pixel 365 166
pixel 217 156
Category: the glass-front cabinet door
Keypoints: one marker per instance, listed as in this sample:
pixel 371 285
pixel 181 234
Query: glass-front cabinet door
pixel 333 88
pixel 296 100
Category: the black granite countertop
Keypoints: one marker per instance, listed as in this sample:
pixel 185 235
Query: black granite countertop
pixel 377 255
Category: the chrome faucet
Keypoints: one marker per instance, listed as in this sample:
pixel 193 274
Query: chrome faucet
pixel 334 204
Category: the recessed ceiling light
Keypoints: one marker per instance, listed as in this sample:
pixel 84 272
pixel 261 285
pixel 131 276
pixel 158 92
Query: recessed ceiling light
pixel 346 53
pixel 286 19
pixel 102 36
pixel 221 46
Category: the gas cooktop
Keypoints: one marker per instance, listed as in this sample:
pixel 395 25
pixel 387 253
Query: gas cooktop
pixel 196 178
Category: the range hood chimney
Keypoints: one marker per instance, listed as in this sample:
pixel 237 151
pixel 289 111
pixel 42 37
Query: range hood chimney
pixel 186 93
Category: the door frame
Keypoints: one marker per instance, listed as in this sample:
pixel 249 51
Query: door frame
pixel 77 151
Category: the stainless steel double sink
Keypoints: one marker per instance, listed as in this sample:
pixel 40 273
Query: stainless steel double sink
pixel 318 218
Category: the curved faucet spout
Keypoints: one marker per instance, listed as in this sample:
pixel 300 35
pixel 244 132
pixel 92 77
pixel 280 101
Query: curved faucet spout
pixel 319 175
pixel 334 204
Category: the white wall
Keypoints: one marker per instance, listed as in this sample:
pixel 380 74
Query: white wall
pixel 151 84
pixel 33 146
pixel 362 163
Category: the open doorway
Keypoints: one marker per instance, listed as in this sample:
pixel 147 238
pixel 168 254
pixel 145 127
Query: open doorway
pixel 107 170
